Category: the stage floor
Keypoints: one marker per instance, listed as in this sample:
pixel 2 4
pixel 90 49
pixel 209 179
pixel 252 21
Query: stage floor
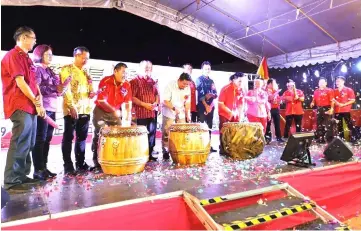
pixel 220 173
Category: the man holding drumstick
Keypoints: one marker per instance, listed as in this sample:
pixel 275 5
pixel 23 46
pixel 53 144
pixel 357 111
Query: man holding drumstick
pixel 176 107
pixel 294 110
pixel 146 102
pixel 230 103
pixel 114 91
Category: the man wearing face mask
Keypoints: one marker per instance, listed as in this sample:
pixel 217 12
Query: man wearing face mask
pixel 207 92
pixel 114 91
pixel 145 99
pixel 76 108
pixel 230 103
pixel 294 110
pixel 176 105
pixel 22 102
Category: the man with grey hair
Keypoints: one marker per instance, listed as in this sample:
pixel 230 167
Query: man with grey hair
pixel 146 102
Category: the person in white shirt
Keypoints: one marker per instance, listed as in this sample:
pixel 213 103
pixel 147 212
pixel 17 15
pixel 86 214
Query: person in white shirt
pixel 176 107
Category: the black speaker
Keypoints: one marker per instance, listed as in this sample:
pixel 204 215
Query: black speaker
pixel 297 150
pixel 337 150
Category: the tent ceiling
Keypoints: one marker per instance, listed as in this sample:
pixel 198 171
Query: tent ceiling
pixel 248 29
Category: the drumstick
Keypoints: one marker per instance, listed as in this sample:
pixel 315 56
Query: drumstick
pixel 283 119
pixel 51 122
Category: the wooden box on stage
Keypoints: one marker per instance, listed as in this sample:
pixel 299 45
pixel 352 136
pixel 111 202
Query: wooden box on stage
pixel 123 150
pixel 243 140
pixel 189 143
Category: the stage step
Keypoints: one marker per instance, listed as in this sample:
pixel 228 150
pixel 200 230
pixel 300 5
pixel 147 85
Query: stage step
pixel 318 224
pixel 259 213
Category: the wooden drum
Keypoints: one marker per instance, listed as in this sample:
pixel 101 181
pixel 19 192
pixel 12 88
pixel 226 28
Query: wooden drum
pixel 243 140
pixel 189 143
pixel 123 150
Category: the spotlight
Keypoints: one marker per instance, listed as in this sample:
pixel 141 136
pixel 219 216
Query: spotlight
pixel 344 68
pixel 317 73
pixel 304 77
pixel 358 65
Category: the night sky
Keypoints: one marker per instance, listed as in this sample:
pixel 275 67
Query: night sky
pixel 110 34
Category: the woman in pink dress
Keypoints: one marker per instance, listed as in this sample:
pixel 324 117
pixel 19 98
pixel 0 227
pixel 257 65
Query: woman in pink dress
pixel 258 108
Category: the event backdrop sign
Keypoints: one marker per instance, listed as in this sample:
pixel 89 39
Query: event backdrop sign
pixel 100 68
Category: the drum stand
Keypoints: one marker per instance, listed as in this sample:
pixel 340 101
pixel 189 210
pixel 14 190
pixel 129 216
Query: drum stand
pixel 303 156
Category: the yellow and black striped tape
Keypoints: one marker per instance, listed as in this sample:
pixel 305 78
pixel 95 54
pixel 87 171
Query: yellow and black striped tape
pixel 214 200
pixel 273 215
pixel 342 228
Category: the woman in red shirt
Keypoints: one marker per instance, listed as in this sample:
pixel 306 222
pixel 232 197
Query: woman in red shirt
pixel 274 99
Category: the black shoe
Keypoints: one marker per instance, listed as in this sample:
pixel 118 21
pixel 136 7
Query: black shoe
pixel 82 167
pixel 30 181
pixel 70 171
pixel 280 140
pixel 151 158
pixel 50 174
pixel 213 150
pixel 97 168
pixel 41 175
pixel 222 152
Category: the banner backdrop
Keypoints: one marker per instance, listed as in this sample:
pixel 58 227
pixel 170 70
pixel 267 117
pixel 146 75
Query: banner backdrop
pixel 100 68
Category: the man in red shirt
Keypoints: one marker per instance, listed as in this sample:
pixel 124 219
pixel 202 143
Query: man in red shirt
pixel 294 110
pixel 344 97
pixel 145 99
pixel 230 104
pixel 187 68
pixel 274 99
pixel 22 102
pixel 323 99
pixel 114 91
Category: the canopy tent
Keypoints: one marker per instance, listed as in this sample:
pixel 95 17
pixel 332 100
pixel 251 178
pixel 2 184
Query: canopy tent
pixel 288 32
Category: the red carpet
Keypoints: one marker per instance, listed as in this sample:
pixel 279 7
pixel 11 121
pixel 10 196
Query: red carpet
pixel 338 190
pixel 167 214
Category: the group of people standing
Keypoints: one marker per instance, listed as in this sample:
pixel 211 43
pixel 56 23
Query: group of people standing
pixel 31 89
